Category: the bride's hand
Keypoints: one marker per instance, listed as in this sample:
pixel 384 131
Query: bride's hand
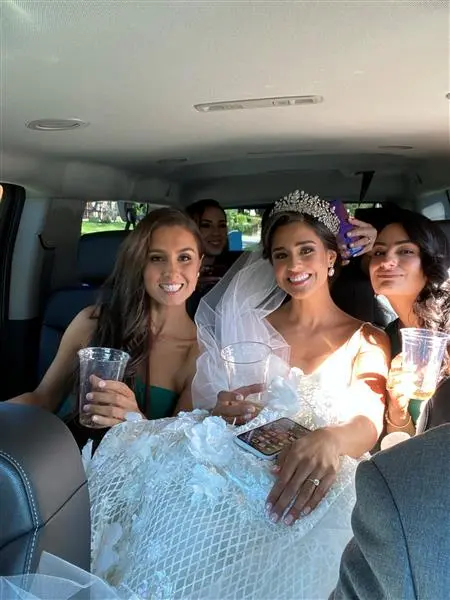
pixel 233 408
pixel 109 402
pixel 305 472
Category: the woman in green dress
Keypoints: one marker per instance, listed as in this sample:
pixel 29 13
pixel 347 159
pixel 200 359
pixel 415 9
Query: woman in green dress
pixel 143 312
pixel 410 266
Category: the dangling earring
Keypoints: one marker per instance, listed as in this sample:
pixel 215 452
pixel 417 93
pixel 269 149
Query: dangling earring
pixel 331 271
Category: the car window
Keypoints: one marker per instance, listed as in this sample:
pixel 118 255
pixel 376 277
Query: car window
pixel 352 206
pixel 436 206
pixel 244 228
pixel 109 215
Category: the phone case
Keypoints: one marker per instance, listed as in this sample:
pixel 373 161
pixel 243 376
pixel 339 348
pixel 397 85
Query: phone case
pixel 345 226
pixel 249 447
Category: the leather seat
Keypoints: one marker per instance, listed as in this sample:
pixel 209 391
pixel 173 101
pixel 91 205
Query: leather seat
pixel 44 500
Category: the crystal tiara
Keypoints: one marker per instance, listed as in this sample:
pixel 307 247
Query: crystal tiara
pixel 301 202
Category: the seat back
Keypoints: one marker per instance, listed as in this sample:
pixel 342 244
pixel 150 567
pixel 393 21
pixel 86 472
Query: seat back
pixel 445 226
pixel 353 293
pixel 97 253
pixel 44 500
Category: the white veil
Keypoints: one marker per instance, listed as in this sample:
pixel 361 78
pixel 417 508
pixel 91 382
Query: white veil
pixel 235 310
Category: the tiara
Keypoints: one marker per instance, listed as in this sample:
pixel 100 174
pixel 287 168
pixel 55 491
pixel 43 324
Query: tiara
pixel 301 202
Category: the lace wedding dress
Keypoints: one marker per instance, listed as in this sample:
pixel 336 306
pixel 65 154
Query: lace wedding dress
pixel 178 509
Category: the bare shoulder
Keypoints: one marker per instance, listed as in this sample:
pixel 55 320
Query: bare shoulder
pixel 83 325
pixel 374 336
pixel 193 351
pixel 277 317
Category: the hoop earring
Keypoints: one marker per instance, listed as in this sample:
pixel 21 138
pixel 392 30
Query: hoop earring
pixel 331 271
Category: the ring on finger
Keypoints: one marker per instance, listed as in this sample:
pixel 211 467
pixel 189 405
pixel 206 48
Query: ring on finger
pixel 315 481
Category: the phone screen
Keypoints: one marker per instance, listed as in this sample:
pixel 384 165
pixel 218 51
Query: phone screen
pixel 272 437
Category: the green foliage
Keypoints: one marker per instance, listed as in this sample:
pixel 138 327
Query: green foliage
pixel 245 221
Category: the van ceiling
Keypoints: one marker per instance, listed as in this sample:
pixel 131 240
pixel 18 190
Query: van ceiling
pixel 135 69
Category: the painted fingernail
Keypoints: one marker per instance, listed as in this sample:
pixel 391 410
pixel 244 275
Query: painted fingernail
pixel 289 520
pixel 239 397
pixel 306 511
pixel 268 507
pixel 274 517
pixel 251 409
pixel 89 396
pixel 101 384
pixel 95 419
pixel 86 407
pixel 276 469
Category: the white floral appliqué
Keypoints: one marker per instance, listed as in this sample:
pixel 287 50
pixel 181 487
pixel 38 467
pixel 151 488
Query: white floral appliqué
pixel 282 394
pixel 207 484
pixel 211 441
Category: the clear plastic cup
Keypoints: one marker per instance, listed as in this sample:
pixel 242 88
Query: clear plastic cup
pixel 106 363
pixel 247 363
pixel 422 356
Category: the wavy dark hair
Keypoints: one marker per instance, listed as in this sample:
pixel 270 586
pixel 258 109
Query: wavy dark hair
pixel 197 210
pixel 432 305
pixel 272 223
pixel 124 306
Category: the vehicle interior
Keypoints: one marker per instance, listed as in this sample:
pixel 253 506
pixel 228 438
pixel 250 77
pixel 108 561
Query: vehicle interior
pixel 166 103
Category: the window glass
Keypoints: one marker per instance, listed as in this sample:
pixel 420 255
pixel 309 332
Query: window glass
pixel 244 227
pixel 108 215
pixel 436 206
pixel 352 206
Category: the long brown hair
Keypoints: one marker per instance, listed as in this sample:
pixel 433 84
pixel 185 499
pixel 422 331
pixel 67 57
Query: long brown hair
pixel 124 306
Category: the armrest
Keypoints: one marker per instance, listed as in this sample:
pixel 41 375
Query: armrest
pixel 44 501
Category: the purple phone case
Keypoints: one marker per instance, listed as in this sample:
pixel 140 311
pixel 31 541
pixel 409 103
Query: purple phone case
pixel 345 226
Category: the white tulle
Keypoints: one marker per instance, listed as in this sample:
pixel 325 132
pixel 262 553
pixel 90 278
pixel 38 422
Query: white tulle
pixel 234 311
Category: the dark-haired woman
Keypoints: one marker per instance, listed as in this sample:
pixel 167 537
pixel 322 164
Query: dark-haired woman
pixel 212 223
pixel 409 266
pixel 145 315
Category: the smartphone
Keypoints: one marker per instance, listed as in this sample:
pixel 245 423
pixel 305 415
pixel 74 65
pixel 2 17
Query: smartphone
pixel 269 439
pixel 345 226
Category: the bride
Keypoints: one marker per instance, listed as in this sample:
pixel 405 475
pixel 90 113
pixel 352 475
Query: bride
pixel 179 511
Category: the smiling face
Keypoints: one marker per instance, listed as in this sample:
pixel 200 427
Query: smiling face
pixel 173 264
pixel 396 265
pixel 214 231
pixel 300 259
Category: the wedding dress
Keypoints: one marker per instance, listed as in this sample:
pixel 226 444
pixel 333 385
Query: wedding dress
pixel 178 509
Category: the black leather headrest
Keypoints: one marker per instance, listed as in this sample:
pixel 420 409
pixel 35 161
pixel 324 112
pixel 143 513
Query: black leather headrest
pixel 445 226
pixel 377 217
pixel 97 253
pixel 44 502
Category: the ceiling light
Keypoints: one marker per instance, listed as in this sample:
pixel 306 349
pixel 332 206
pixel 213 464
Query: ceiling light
pixel 56 124
pixel 281 101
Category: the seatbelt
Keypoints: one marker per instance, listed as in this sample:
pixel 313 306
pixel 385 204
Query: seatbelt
pixel 367 177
